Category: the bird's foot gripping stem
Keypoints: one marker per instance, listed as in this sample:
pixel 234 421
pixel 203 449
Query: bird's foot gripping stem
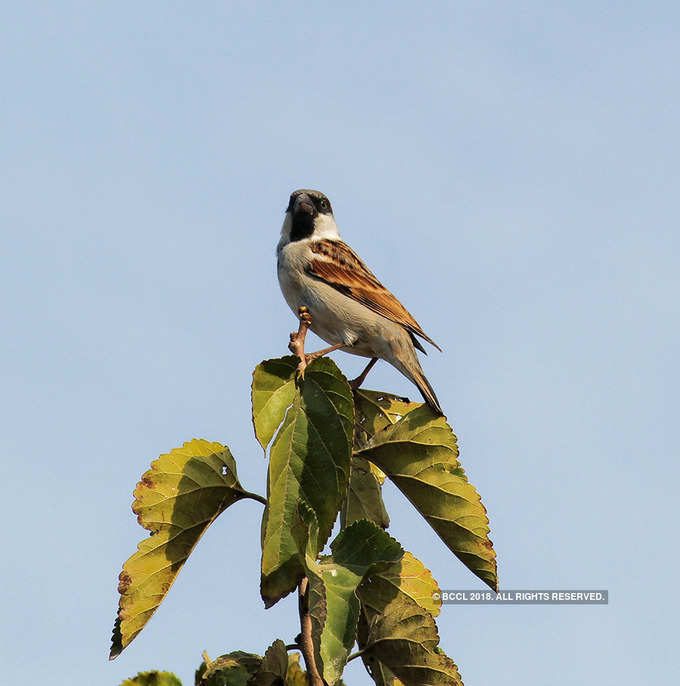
pixel 297 338
pixel 297 341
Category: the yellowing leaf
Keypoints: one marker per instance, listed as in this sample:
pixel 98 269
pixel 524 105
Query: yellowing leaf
pixel 419 455
pixel 409 577
pixel 309 464
pixel 376 410
pixel 272 391
pixel 403 641
pixel 296 676
pixel 176 500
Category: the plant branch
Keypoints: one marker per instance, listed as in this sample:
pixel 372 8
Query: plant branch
pixel 306 644
pixel 255 496
pixel 297 338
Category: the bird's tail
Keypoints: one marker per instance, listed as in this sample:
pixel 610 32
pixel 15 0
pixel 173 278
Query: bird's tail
pixel 409 365
pixel 427 391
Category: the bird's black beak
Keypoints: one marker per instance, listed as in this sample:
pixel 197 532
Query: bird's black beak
pixel 304 205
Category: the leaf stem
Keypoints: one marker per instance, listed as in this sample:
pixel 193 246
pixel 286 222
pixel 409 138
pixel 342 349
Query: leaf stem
pixel 255 496
pixel 358 653
pixel 306 644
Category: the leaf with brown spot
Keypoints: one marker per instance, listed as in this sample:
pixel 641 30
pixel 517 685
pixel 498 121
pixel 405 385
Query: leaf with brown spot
pixel 419 454
pixel 176 500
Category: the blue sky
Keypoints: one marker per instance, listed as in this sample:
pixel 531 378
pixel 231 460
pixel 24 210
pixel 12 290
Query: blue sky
pixel 510 171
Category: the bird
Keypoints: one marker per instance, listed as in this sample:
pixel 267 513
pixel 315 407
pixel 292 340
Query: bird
pixel 336 296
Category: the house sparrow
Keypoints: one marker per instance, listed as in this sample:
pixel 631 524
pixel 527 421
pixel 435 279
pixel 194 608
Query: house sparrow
pixel 325 282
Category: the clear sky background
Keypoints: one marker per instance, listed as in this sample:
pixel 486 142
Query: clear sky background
pixel 509 170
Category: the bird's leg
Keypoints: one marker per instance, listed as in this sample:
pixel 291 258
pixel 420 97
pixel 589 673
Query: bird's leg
pixel 319 353
pixel 297 339
pixel 355 383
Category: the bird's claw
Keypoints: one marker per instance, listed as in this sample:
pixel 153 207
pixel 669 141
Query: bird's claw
pixel 302 365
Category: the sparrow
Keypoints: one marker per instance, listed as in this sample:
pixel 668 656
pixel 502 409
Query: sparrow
pixel 335 295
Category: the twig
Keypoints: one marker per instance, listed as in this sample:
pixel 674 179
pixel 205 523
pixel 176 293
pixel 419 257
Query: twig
pixel 297 338
pixel 306 645
pixel 255 496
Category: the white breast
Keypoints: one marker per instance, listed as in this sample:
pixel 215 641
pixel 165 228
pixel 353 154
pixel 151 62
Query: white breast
pixel 336 318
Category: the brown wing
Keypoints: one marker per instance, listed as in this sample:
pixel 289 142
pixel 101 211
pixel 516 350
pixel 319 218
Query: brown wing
pixel 339 266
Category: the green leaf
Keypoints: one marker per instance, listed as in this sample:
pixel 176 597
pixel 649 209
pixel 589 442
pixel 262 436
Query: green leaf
pixel 360 549
pixel 272 392
pixel 273 668
pixel 376 669
pixel 364 496
pixel 153 679
pixel 408 577
pixel 233 669
pixel 419 455
pixel 403 641
pixel 309 463
pixel 176 500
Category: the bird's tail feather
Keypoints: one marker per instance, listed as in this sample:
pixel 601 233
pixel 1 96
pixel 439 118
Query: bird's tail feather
pixel 409 365
pixel 427 392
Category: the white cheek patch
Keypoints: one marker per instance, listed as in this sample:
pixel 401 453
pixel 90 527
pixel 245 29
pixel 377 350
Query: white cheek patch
pixel 325 227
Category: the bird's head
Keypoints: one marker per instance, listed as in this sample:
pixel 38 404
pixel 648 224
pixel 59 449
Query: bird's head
pixel 309 214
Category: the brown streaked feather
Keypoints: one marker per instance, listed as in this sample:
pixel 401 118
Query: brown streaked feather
pixel 339 266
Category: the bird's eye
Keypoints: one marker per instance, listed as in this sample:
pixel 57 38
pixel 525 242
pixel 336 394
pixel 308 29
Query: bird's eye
pixel 323 203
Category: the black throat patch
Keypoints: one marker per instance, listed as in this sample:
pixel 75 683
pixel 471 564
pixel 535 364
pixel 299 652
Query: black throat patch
pixel 303 226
